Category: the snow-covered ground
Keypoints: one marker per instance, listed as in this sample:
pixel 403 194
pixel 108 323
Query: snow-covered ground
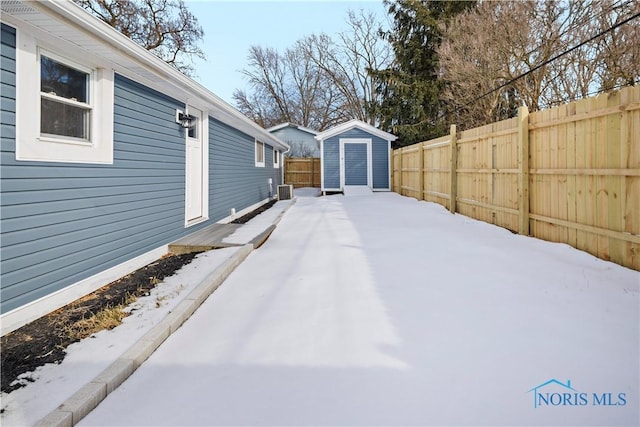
pixel 257 224
pixel 86 359
pixel 381 310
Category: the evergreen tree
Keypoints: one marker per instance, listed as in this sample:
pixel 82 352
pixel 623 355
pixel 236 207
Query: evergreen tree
pixel 411 107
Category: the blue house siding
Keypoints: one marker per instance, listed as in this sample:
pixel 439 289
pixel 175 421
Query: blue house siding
pixel 331 163
pixel 380 163
pixel 8 85
pixel 234 180
pixel 74 216
pixel 7 88
pixel 62 222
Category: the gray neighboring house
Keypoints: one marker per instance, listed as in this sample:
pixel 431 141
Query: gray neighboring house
pixel 108 155
pixel 301 140
pixel 355 154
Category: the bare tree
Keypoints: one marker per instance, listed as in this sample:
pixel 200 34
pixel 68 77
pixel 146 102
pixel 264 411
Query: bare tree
pixel 165 27
pixel 258 106
pixel 290 88
pixel 502 54
pixel 472 68
pixel 618 51
pixel 493 44
pixel 299 149
pixel 349 61
pixel 318 82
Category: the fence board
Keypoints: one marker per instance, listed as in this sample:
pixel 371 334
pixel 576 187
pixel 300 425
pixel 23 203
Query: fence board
pixel 437 179
pixel 488 173
pixel 302 172
pixel 583 174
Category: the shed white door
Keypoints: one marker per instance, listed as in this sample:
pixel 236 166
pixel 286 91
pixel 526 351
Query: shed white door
pixel 195 170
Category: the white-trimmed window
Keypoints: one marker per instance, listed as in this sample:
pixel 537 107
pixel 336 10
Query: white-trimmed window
pixel 65 101
pixel 276 159
pixel 259 154
pixel 65 106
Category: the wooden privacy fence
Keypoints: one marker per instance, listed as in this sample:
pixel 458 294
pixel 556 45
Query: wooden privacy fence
pixel 303 172
pixel 570 174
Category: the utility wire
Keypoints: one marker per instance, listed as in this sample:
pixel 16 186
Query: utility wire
pixel 560 55
pixel 618 4
pixel 557 102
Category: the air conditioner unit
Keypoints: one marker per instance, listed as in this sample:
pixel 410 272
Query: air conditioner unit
pixel 285 192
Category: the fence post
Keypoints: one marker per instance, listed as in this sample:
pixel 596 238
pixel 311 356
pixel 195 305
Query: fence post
pixel 454 165
pixel 523 170
pixel 400 168
pixel 313 172
pixel 421 171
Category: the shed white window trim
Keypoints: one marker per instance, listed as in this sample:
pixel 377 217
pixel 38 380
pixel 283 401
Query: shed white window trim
pixel 259 154
pixel 64 106
pixel 276 159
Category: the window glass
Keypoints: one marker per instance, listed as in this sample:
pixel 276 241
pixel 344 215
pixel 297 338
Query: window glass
pixel 64 100
pixel 60 80
pixel 64 120
pixel 259 153
pixel 193 129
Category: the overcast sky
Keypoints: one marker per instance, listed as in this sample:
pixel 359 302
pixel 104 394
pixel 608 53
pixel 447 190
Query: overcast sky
pixel 232 27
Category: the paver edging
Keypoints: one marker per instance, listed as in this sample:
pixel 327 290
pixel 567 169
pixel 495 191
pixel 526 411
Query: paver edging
pixel 76 407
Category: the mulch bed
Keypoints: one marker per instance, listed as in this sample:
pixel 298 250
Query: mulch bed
pixel 45 340
pixel 245 218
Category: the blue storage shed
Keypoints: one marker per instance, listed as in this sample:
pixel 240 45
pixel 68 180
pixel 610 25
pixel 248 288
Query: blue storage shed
pixel 355 154
pixel 107 155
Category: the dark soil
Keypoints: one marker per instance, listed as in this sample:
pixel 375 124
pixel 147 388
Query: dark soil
pixel 45 340
pixel 245 218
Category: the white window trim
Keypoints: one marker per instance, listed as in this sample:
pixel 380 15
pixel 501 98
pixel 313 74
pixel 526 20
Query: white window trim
pixel 276 159
pixel 89 105
pixel 259 164
pixel 30 144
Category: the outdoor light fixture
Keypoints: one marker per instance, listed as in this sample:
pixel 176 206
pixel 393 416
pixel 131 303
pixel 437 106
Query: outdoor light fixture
pixel 186 120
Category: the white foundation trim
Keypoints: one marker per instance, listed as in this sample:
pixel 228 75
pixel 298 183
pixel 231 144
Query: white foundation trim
pixel 29 312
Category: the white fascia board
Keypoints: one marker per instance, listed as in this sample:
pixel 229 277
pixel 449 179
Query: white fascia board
pixel 287 124
pixel 183 87
pixel 304 129
pixel 278 127
pixel 351 124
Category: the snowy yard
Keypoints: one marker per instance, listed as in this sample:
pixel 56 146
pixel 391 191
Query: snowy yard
pixel 381 310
